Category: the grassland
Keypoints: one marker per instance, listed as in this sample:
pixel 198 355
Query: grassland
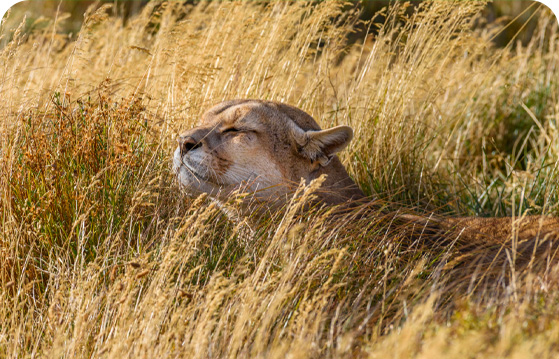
pixel 101 255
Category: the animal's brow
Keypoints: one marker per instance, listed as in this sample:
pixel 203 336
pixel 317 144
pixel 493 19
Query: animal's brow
pixel 248 123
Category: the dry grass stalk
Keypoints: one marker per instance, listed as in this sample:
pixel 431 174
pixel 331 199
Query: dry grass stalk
pixel 101 256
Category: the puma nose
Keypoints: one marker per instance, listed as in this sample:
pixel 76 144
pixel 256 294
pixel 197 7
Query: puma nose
pixel 187 143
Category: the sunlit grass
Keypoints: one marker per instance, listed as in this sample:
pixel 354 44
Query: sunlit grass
pixel 101 255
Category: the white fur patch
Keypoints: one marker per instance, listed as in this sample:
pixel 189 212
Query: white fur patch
pixel 257 174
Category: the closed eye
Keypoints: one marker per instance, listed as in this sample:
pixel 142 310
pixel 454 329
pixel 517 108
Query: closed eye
pixel 231 130
pixel 235 130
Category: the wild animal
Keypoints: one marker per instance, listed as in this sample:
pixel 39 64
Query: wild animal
pixel 267 148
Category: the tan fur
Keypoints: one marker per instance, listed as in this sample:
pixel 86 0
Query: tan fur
pixel 502 230
pixel 493 230
pixel 272 147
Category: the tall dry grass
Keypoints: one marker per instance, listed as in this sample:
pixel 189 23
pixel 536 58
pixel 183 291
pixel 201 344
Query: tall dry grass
pixel 102 256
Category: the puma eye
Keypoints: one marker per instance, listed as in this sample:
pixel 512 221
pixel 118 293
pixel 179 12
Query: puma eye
pixel 231 130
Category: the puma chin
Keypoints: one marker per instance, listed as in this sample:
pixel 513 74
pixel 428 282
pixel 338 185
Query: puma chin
pixel 263 148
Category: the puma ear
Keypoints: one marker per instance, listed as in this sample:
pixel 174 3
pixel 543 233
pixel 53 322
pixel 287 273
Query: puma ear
pixel 323 145
pixel 332 140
